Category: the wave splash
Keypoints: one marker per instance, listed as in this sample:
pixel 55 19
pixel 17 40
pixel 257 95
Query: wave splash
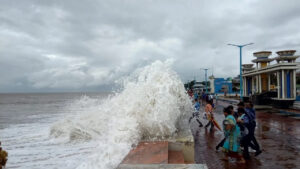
pixel 150 106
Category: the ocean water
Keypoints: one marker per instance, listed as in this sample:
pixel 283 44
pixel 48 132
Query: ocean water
pixel 93 130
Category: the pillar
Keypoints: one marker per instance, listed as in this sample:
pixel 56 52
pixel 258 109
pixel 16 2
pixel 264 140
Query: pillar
pixel 249 86
pixel 256 88
pixel 260 86
pixel 294 84
pixel 278 85
pixel 289 87
pixel 269 81
pixel 245 86
pixel 283 83
pixel 253 89
pixel 212 85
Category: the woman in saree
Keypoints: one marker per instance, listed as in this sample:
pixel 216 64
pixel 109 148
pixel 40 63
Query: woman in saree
pixel 232 134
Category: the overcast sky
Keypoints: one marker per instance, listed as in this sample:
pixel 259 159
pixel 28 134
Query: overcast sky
pixel 75 45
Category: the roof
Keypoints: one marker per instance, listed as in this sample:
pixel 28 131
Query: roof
pixel 262 60
pixel 262 52
pixel 198 85
pixel 278 58
pixel 272 68
pixel 286 52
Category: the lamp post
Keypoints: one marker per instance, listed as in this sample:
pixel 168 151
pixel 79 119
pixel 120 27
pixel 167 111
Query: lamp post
pixel 241 81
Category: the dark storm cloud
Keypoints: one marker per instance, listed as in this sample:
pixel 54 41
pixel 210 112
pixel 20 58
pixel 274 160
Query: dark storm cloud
pixel 87 45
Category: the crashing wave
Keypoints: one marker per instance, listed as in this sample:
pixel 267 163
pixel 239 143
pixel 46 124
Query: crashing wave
pixel 150 106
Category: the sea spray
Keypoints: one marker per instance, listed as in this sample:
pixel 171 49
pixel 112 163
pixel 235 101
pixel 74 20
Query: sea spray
pixel 150 105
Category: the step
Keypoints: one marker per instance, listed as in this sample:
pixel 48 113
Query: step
pixel 162 166
pixel 148 152
pixel 175 157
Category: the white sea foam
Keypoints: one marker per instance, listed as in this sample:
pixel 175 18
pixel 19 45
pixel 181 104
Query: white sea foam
pixel 149 106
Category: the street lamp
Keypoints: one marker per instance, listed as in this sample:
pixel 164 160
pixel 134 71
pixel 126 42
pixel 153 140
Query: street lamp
pixel 241 81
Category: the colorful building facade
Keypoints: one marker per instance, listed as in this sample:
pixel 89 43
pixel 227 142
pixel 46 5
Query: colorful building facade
pixel 279 78
pixel 221 85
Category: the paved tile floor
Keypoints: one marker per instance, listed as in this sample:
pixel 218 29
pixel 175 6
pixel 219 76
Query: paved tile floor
pixel 278 136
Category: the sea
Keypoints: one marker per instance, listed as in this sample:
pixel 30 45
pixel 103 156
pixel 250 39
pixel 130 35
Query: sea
pixel 93 130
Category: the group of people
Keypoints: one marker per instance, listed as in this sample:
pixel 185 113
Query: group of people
pixel 202 97
pixel 238 128
pixel 208 109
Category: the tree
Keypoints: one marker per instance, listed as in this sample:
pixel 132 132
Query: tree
pixel 189 84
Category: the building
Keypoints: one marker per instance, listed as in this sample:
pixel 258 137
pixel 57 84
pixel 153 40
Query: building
pixel 236 84
pixel 200 87
pixel 221 86
pixel 268 83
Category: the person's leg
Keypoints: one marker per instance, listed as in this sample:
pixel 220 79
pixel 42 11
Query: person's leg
pixel 241 159
pixel 256 145
pixel 253 146
pixel 211 126
pixel 255 142
pixel 246 142
pixel 190 119
pixel 243 141
pixel 220 144
pixel 253 139
pixel 207 124
pixel 200 124
pixel 225 158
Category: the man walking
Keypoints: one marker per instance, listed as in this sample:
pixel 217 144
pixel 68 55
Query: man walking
pixel 250 123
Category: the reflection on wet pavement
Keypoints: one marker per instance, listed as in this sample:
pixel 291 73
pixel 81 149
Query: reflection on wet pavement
pixel 278 136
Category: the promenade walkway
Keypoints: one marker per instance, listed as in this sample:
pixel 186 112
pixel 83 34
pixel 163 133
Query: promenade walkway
pixel 278 136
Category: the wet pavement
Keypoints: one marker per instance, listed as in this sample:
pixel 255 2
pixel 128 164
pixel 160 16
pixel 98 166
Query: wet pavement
pixel 278 136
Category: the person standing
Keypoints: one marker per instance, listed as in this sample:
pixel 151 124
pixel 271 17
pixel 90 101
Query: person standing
pixel 190 93
pixel 196 105
pixel 203 98
pixel 240 105
pixel 240 121
pixel 250 123
pixel 209 114
pixel 196 95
